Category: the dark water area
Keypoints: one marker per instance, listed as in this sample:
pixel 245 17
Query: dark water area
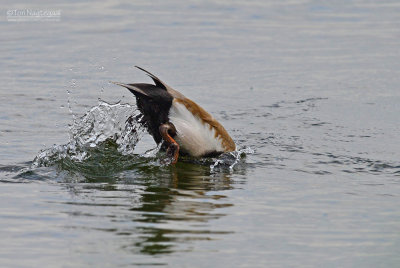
pixel 309 91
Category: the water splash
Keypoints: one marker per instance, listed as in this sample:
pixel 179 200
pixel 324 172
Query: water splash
pixel 104 140
pixel 115 123
pixel 230 160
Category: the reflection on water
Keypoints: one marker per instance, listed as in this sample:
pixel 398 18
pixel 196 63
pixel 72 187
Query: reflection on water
pixel 153 210
pixel 183 202
pixel 147 210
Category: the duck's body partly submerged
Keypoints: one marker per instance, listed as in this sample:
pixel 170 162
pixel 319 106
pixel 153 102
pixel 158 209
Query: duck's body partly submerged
pixel 178 121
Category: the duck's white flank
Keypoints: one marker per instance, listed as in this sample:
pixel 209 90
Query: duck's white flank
pixel 193 135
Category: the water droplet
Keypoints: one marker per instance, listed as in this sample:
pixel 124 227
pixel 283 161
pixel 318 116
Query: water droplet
pixel 73 83
pixel 104 122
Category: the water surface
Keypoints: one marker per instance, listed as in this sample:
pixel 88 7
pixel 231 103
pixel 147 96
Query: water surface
pixel 309 90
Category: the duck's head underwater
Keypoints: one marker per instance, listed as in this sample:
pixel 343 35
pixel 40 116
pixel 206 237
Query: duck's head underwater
pixel 180 124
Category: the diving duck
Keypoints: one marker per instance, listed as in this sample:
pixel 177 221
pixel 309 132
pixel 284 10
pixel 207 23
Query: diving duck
pixel 180 123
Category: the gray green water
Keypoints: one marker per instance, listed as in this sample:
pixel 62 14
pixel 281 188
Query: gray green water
pixel 311 87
